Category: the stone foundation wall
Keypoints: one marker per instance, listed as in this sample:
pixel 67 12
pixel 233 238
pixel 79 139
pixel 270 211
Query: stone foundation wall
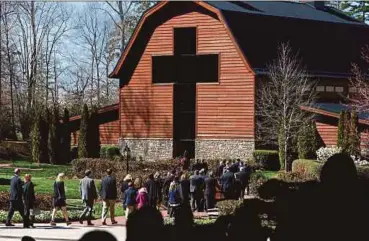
pixel 224 149
pixel 149 149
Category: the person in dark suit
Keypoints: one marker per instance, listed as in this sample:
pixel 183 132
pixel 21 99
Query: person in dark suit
pixel 29 201
pixel 16 202
pixel 167 181
pixel 109 196
pixel 153 190
pixel 243 177
pixel 211 185
pixel 89 195
pixel 196 189
pixel 228 184
pixel 220 168
pixel 185 190
pixel 130 199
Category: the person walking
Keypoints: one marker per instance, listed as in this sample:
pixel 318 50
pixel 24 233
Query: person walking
pixel 220 168
pixel 174 197
pixel 196 189
pixel 130 199
pixel 89 195
pixel 109 196
pixel 29 201
pixel 159 184
pixel 59 200
pixel 228 184
pixel 142 198
pixel 243 178
pixel 16 203
pixel 211 185
pixel 185 190
pixel 153 190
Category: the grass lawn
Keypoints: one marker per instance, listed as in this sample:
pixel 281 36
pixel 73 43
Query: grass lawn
pixel 269 174
pixel 43 177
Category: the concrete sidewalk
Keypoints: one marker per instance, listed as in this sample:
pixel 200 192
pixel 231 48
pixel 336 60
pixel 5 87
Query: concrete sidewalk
pixel 61 232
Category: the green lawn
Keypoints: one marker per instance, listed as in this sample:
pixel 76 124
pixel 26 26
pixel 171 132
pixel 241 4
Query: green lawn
pixel 43 177
pixel 269 174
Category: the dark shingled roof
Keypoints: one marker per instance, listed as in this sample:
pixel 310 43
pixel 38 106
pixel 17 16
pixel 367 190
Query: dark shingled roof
pixel 327 41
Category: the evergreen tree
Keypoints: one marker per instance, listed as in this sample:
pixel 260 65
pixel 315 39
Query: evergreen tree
pixel 44 134
pixel 82 138
pixel 303 142
pixel 356 9
pixel 93 135
pixel 36 139
pixel 354 138
pixel 346 132
pixel 65 139
pixel 54 136
pixel 314 143
pixel 341 130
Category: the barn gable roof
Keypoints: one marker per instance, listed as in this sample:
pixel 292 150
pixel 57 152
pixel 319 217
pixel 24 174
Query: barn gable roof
pixel 327 41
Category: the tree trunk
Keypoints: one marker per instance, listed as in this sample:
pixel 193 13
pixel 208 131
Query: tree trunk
pixel 32 80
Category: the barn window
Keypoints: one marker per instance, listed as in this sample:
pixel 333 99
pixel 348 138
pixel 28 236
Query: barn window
pixel 320 88
pixel 329 88
pixel 162 70
pixel 339 89
pixel 184 41
pixel 352 90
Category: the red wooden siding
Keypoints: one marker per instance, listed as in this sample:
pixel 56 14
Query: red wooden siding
pixel 328 133
pixel 109 133
pixel 224 109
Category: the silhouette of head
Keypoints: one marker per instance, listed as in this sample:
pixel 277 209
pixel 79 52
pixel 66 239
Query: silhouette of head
pixel 109 172
pixel 98 235
pixel 145 223
pixel 28 238
pixel 197 172
pixel 338 171
pixel 87 173
pixel 17 171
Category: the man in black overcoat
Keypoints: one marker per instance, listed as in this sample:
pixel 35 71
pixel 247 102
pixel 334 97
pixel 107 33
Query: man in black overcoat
pixel 211 184
pixel 16 202
pixel 243 178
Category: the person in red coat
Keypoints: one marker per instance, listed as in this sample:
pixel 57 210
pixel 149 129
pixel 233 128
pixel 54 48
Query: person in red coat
pixel 142 198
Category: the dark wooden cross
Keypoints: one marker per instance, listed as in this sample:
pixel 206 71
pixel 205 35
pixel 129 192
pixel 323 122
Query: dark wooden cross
pixel 185 68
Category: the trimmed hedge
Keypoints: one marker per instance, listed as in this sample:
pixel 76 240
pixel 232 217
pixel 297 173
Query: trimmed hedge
pixel 43 201
pixel 228 207
pixel 267 159
pixel 308 169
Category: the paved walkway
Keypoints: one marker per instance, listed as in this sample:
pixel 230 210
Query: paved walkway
pixel 61 232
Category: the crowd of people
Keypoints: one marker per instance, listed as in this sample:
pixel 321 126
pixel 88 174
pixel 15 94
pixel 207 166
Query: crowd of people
pixel 192 186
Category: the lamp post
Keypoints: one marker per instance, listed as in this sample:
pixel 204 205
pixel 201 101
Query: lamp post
pixel 127 155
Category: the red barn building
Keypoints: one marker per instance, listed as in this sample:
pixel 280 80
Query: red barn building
pixel 189 75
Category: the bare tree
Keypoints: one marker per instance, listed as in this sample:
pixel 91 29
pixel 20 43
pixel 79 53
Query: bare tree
pixel 360 84
pixel 280 96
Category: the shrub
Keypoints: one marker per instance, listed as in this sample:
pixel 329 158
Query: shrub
pixel 251 162
pixel 112 151
pixel 15 149
pixel 267 159
pixel 228 207
pixel 44 116
pixel 340 129
pixel 43 201
pixel 256 181
pixel 103 151
pixel 363 173
pixel 308 169
pixel 307 140
pixel 82 138
pixel 324 153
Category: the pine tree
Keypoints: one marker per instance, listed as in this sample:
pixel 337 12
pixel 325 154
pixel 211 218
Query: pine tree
pixel 346 132
pixel 65 139
pixel 354 138
pixel 356 9
pixel 36 139
pixel 54 136
pixel 303 142
pixel 341 130
pixel 44 134
pixel 82 138
pixel 93 135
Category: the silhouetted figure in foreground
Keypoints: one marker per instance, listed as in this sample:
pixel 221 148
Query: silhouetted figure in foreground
pixel 145 224
pixel 334 209
pixel 28 238
pixel 98 235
